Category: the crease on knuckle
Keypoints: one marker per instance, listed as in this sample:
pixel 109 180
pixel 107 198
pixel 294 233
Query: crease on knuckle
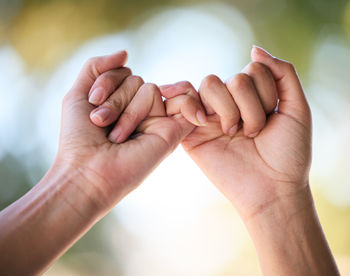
pixel 116 103
pixel 130 115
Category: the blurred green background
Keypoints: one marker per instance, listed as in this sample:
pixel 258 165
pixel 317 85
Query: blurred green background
pixel 44 43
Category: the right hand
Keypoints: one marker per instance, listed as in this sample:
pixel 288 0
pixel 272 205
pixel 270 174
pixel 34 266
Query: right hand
pixel 268 159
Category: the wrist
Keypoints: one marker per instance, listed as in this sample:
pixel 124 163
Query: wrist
pixel 282 207
pixel 67 182
pixel 289 238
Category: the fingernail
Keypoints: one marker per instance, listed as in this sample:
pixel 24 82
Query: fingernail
pixel 260 51
pixel 114 136
pixel 253 134
pixel 101 115
pixel 233 130
pixel 202 119
pixel 96 96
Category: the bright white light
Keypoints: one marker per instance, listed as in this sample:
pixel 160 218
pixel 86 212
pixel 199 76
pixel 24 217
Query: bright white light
pixel 330 106
pixel 17 103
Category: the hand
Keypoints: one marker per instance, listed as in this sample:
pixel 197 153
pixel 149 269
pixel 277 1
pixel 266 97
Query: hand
pixel 269 157
pixel 94 169
pixel 112 161
pixel 263 167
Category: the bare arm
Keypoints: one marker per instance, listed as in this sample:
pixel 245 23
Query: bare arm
pixel 260 158
pixel 93 169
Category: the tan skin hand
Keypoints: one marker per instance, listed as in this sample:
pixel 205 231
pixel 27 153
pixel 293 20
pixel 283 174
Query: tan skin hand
pixel 127 135
pixel 264 161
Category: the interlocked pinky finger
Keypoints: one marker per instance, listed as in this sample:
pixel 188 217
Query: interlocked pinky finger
pixel 184 99
pixel 146 103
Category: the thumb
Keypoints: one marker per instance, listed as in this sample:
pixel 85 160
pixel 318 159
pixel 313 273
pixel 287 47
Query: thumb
pixel 93 68
pixel 292 100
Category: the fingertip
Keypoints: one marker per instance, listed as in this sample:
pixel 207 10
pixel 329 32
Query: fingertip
pixel 117 59
pixel 233 130
pixel 96 96
pixel 258 53
pixel 125 54
pixel 100 116
pixel 116 135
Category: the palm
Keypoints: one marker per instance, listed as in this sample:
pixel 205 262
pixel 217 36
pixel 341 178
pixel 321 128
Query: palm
pixel 246 170
pixel 110 164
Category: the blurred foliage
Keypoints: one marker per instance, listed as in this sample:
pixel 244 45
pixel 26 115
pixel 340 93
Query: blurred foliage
pixel 335 222
pixel 93 253
pixel 45 32
pixel 14 181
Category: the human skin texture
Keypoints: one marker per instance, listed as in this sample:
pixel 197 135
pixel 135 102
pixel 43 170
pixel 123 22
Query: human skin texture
pixel 116 129
pixel 259 157
pixel 92 172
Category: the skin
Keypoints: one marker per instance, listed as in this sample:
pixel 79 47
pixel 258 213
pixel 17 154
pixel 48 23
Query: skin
pixel 91 173
pixel 259 159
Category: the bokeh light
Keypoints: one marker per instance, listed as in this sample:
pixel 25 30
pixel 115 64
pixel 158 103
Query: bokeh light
pixel 174 223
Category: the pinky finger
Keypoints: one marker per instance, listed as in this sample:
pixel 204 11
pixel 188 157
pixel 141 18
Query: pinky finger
pixel 183 98
pixel 189 107
pixel 147 102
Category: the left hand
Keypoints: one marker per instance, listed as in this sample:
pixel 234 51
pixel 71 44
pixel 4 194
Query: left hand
pixel 127 135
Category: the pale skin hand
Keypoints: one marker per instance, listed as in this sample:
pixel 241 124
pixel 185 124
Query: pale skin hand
pixel 91 172
pixel 263 167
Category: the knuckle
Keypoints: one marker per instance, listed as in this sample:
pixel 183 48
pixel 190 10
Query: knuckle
pixel 135 80
pixel 126 70
pixel 257 68
pixel 185 84
pixel 91 62
pixel 130 115
pixel 210 82
pixel 289 66
pixel 115 102
pixel 240 82
pixel 91 65
pixel 150 88
pixel 106 79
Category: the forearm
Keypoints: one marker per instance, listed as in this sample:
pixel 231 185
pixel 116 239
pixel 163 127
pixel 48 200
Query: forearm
pixel 43 224
pixel 289 238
